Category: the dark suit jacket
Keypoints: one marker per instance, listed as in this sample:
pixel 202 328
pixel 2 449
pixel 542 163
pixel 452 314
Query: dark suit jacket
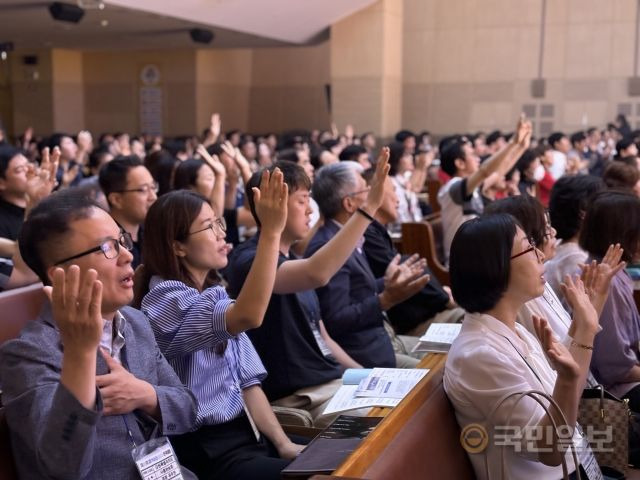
pixel 53 435
pixel 350 306
pixel 432 299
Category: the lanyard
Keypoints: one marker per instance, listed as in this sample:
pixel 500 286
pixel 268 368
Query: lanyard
pixel 129 434
pixel 552 303
pixel 525 360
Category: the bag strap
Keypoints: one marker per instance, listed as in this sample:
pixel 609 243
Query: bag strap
pixel 537 396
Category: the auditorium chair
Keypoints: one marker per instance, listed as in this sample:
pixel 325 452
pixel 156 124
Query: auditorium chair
pixel 422 238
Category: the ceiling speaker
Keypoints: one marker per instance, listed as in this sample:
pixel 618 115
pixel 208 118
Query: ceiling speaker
pixel 66 12
pixel 200 35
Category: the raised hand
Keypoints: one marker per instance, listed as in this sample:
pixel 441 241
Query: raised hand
pixel 561 359
pixel 271 202
pixel 215 125
pixel 70 174
pixel 122 392
pixel 403 280
pixel 376 193
pixel 585 318
pixel 76 300
pixel 212 160
pixel 42 180
pixel 597 276
pixel 524 129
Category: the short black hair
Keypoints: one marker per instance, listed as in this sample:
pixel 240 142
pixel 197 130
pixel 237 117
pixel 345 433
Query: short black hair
pixel 452 152
pixel 113 176
pixel 396 152
pixel 288 155
pixel 48 222
pixel 352 152
pixel 570 197
pixel 7 153
pixel 186 173
pixel 577 137
pixel 555 138
pixel 493 137
pixel 526 159
pixel 623 145
pixel 527 210
pixel 612 217
pixel 478 282
pixel 96 156
pixel 402 135
pixel 293 175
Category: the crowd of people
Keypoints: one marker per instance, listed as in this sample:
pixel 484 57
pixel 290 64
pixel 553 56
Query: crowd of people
pixel 195 283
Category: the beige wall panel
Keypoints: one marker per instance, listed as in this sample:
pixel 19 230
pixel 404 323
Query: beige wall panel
pixel 456 14
pixel 391 106
pixel 622 50
pixel 501 13
pixel 32 106
pixel 416 106
pixel 527 53
pixel 179 109
pixel 588 51
pixel 557 12
pixel 586 89
pixel 491 116
pixel 492 92
pixel 451 108
pixel 420 15
pixel 356 43
pixel 175 65
pixel 359 102
pixel 292 66
pixel 232 66
pixel 111 107
pixel 418 60
pixel 553 64
pixel 624 10
pixel 582 114
pixel 392 48
pixel 595 12
pixel 495 51
pixel 230 101
pixel 454 55
pixel 68 107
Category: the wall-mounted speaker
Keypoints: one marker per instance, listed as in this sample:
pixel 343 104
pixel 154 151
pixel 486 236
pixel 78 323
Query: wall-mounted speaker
pixel 200 35
pixel 66 12
pixel 538 88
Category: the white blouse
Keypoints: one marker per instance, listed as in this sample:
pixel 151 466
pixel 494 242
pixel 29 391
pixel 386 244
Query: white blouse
pixel 484 366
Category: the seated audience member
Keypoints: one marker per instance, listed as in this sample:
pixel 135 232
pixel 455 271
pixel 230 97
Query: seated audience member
pixel 85 379
pixel 356 153
pixel 431 304
pixel 353 304
pixel 130 191
pixel 305 364
pixel 206 177
pixel 162 167
pixel 536 225
pixel 201 330
pixel 69 170
pixel 560 146
pixel 619 175
pixel 408 140
pixel 13 191
pixel 531 172
pixel 494 356
pixel 460 197
pixel 614 217
pixel 626 148
pixel 567 207
pixel 401 171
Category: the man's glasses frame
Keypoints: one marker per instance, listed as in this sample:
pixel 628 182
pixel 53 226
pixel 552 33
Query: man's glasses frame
pixel 146 189
pixel 110 248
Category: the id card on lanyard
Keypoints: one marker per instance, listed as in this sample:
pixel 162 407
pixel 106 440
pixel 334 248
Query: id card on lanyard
pixel 154 459
pixel 583 449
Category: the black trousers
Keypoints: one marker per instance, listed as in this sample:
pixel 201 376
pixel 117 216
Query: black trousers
pixel 228 451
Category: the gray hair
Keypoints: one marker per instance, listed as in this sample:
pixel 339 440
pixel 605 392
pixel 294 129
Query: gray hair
pixel 332 183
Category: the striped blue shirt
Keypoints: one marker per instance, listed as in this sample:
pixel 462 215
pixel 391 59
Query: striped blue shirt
pixel 188 326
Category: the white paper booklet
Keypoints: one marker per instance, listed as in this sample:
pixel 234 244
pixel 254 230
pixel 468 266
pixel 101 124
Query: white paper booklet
pixel 348 398
pixel 438 337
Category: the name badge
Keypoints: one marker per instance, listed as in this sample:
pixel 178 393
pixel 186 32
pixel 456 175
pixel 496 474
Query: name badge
pixel 156 460
pixel 587 459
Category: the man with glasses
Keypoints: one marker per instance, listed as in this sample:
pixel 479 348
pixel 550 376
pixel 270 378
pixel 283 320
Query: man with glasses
pixel 85 382
pixel 130 191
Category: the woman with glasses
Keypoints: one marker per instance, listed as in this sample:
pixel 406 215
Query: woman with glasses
pixel 615 217
pixel 494 356
pixel 200 329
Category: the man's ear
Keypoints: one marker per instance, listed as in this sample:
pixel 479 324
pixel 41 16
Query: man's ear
pixel 460 164
pixel 179 249
pixel 115 200
pixel 348 204
pixel 3 184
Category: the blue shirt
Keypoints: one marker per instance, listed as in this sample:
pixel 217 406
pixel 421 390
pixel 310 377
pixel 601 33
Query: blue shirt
pixel 190 329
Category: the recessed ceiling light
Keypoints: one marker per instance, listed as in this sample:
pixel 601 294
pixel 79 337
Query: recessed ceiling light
pixel 104 23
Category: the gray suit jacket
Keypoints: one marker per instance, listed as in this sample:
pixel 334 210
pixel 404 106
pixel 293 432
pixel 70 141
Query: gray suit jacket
pixel 53 436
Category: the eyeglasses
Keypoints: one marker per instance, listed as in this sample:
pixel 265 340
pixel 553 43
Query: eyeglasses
pixel 357 192
pixel 218 227
pixel 146 189
pixel 532 248
pixel 110 248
